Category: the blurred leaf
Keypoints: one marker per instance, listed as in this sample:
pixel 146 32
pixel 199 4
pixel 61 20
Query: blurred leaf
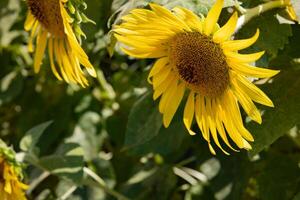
pixel 144 122
pixel 31 138
pixel 284 91
pixel 11 86
pixel 85 134
pixel 67 162
pixel 166 142
pixel 9 11
pixel 279 178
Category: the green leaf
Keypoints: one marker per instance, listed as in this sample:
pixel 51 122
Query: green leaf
pixel 167 141
pixel 67 162
pixel 279 178
pixel 32 136
pixel 11 86
pixel 284 91
pixel 144 122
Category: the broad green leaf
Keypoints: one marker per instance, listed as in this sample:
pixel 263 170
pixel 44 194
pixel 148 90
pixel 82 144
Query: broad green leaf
pixel 144 122
pixel 32 136
pixel 279 178
pixel 11 86
pixel 284 91
pixel 167 141
pixel 67 162
pixel 85 134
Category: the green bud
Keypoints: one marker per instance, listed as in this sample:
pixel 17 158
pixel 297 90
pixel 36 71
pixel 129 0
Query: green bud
pixel 71 8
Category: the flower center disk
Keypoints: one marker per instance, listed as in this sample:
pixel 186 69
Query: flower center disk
pixel 48 13
pixel 200 63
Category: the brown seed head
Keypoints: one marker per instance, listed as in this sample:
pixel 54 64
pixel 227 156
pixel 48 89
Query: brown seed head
pixel 200 63
pixel 47 12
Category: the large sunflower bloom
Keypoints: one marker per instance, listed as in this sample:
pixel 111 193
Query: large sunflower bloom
pixel 11 188
pixel 49 22
pixel 196 56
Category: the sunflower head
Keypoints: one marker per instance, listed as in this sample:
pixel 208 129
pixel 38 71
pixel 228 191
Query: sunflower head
pixel 47 12
pixel 209 77
pixel 10 174
pixel 52 26
pixel 197 57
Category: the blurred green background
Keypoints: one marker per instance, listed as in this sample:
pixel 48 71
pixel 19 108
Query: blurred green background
pixel 114 129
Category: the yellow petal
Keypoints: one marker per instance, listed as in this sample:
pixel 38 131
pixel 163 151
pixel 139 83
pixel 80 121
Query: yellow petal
pixel 220 126
pixel 160 77
pixel 227 30
pixel 212 17
pixel 247 104
pixel 235 45
pixel 234 113
pixel 201 117
pixel 254 92
pixel 244 58
pixel 165 97
pixel 160 89
pixel 157 67
pixel 51 58
pixel 39 53
pixel 252 71
pixel 192 20
pixel 170 17
pixel 173 103
pixel 189 110
pixel 33 33
pixel 145 53
pixel 211 109
pixel 29 22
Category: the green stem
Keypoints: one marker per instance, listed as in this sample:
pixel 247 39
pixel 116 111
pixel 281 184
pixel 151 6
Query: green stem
pixel 103 185
pixel 258 10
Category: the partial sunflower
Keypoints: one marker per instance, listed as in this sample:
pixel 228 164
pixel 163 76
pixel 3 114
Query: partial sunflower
pixel 291 11
pixel 11 188
pixel 196 56
pixel 49 21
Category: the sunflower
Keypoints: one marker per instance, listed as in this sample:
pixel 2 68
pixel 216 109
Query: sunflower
pixel 11 188
pixel 291 11
pixel 49 22
pixel 196 57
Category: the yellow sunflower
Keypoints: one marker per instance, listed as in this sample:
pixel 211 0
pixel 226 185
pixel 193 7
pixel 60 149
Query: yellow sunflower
pixel 50 23
pixel 11 188
pixel 291 11
pixel 195 56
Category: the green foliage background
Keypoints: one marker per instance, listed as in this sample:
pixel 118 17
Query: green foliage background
pixel 114 129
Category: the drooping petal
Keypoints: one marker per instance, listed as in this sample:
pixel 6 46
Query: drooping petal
pixel 254 92
pixel 173 103
pixel 211 109
pixel 189 111
pixel 30 20
pixel 247 103
pixel 39 53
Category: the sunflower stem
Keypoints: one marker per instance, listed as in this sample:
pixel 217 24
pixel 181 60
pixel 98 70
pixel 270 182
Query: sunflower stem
pixel 258 10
